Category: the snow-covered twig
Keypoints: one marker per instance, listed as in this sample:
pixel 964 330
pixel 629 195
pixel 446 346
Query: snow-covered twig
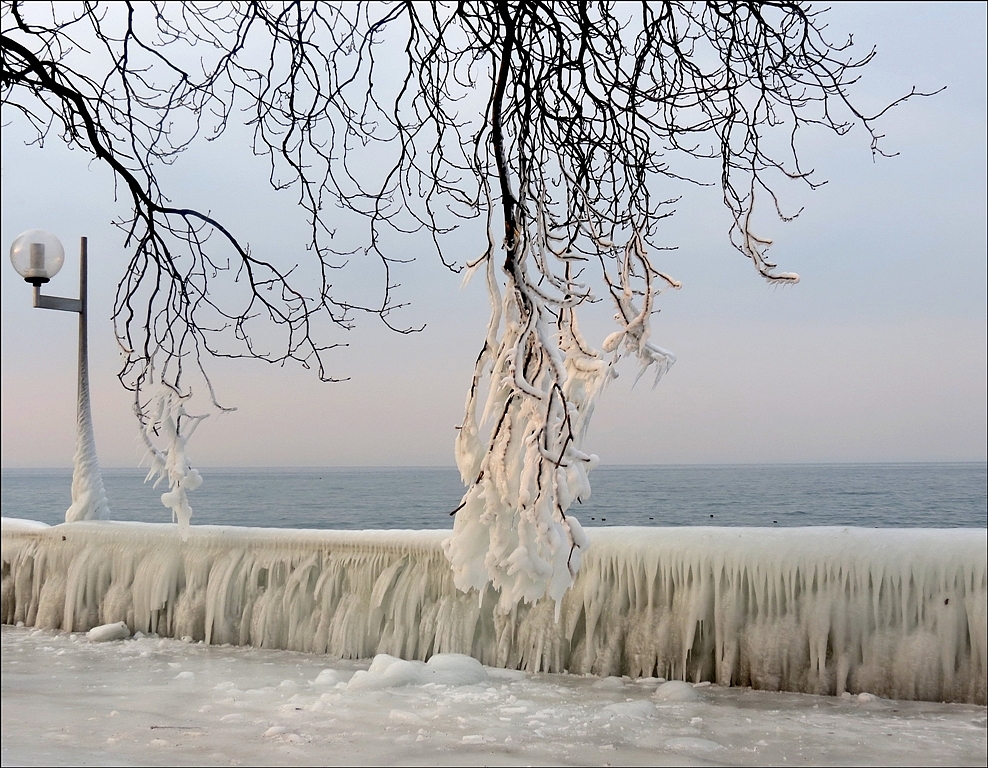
pixel 171 462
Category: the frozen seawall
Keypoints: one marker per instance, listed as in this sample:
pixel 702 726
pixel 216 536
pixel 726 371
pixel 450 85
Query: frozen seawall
pixel 900 613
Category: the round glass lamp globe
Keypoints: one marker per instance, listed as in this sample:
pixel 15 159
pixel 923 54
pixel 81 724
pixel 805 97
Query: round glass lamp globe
pixel 37 256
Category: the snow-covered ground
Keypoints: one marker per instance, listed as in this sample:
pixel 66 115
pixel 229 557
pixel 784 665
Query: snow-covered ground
pixel 163 701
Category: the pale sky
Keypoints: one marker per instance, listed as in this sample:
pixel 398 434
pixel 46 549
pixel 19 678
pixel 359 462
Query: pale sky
pixel 879 354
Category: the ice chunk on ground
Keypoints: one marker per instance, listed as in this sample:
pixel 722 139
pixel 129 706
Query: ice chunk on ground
pixel 867 698
pixel 106 632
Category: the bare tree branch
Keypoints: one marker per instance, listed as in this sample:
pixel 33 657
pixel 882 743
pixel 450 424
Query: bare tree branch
pixel 573 124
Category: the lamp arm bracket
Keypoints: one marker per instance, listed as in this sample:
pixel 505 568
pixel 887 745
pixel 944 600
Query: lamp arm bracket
pixel 56 302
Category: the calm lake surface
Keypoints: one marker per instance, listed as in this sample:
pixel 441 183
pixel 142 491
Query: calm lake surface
pixel 871 495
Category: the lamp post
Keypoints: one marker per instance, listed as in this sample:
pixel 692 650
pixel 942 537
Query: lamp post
pixel 38 256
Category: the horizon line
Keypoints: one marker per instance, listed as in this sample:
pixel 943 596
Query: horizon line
pixel 317 467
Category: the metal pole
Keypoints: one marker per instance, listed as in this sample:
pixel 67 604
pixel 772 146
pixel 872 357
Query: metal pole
pixel 83 390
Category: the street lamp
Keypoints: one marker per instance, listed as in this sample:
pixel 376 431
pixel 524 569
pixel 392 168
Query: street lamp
pixel 38 256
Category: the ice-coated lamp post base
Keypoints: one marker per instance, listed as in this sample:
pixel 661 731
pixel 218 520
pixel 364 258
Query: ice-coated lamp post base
pixel 38 256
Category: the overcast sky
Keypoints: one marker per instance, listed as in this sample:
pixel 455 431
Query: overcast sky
pixel 879 354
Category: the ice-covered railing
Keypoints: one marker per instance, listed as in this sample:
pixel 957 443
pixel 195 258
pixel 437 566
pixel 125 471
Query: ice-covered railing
pixel 900 613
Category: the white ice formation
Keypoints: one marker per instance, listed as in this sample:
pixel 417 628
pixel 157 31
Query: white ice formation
pixel 898 613
pixel 171 462
pixel 388 671
pixel 512 529
pixel 105 633
pixel 522 460
pixel 88 495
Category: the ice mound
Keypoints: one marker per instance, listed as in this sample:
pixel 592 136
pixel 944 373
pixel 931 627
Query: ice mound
pixel 387 672
pixel 454 669
pixel 896 613
pixel 677 691
pixel 442 669
pixel 327 678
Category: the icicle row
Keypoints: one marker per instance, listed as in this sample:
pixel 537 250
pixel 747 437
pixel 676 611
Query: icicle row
pixel 898 613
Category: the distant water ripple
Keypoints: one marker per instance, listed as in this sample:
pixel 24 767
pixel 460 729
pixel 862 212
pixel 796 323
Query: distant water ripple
pixel 871 495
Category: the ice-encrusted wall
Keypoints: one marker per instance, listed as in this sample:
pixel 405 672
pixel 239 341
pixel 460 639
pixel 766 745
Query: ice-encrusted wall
pixel 900 613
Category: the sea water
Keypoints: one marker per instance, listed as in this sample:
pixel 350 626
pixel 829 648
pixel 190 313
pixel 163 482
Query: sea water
pixel 870 495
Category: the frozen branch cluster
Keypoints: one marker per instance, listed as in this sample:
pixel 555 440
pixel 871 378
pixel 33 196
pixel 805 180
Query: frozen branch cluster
pixel 591 111
pixel 173 426
pixel 543 380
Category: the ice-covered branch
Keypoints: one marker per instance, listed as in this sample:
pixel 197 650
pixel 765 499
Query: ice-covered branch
pixel 174 426
pixel 513 528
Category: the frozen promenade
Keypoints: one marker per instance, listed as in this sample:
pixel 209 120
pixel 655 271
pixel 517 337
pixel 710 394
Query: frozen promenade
pixel 900 613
